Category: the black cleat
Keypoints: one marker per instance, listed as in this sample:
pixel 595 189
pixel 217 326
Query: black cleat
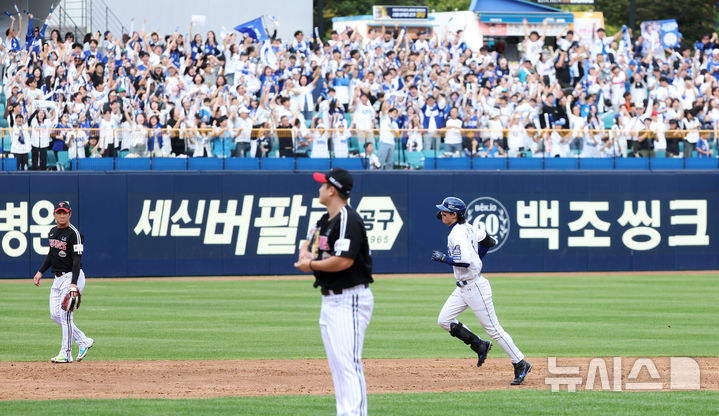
pixel 521 369
pixel 482 349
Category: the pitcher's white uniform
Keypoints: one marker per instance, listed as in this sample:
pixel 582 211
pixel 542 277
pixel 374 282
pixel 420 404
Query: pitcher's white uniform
pixel 473 290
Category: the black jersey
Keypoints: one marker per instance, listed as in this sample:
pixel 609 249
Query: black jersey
pixel 65 243
pixel 345 236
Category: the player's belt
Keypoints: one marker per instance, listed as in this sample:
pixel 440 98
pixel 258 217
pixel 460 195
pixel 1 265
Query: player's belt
pixel 461 283
pixel 58 274
pixel 327 292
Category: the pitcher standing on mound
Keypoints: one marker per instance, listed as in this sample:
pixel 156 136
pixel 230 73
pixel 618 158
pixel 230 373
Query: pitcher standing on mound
pixel 337 252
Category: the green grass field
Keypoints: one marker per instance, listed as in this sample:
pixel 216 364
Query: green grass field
pixel 584 316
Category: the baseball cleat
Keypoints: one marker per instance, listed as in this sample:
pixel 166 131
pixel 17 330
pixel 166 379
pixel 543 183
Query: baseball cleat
pixel 60 359
pixel 521 369
pixel 482 350
pixel 83 352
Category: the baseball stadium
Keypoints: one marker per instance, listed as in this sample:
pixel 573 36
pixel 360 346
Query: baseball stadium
pixel 412 208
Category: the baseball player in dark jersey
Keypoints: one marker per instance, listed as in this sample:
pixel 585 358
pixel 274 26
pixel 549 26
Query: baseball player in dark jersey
pixel 337 252
pixel 65 259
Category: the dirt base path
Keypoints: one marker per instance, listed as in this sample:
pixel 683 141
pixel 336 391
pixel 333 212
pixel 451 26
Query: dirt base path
pixel 200 379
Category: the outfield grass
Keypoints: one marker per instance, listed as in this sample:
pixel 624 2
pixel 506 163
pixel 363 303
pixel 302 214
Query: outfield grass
pixel 660 315
pixel 516 402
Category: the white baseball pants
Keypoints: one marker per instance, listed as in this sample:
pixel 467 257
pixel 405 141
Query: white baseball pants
pixel 477 295
pixel 343 321
pixel 70 332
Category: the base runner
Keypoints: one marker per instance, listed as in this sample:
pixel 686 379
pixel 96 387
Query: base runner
pixel 466 246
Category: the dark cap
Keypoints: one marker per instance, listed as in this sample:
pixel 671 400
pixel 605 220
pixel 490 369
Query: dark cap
pixel 63 205
pixel 337 177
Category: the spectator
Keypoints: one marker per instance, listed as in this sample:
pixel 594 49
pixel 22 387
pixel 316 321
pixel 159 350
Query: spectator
pixel 243 127
pixel 369 155
pixel 422 76
pixel 20 146
pixel 387 135
pixel 41 126
pixel 320 139
pixel 453 133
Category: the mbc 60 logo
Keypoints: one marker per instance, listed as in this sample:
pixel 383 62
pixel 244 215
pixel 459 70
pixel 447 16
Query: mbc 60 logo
pixel 489 215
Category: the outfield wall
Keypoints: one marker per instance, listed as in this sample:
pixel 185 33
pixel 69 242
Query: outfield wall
pixel 247 223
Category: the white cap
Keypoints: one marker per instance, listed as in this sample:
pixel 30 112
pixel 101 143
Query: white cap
pixel 244 110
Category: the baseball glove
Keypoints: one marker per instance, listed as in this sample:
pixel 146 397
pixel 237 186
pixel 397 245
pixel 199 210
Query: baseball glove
pixel 71 301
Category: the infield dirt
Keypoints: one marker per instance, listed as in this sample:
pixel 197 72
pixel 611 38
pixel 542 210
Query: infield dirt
pixel 202 379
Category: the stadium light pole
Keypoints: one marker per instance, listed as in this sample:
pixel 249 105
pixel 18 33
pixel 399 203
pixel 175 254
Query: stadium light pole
pixel 632 14
pixel 320 18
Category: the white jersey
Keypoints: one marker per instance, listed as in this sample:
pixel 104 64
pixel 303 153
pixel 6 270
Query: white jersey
pixel 462 244
pixel 320 146
pixel 340 143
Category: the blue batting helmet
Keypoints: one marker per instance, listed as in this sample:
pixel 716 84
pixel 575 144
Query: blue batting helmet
pixel 452 204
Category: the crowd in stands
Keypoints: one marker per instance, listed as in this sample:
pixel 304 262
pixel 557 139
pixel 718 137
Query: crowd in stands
pixel 143 94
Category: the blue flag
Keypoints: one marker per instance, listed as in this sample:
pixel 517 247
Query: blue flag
pixel 254 29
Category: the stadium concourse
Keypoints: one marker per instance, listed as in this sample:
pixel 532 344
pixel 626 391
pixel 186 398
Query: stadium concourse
pixel 386 95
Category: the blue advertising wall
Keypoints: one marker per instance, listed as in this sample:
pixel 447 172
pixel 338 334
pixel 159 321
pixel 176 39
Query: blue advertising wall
pixel 247 223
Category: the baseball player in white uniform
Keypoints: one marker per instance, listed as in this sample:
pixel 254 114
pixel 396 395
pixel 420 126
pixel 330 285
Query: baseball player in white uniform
pixel 466 245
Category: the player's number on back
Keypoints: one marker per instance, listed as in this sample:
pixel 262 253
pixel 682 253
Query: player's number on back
pixel 488 223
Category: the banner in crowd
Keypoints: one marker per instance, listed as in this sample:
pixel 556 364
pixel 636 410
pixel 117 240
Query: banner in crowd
pixel 400 12
pixel 585 23
pixel 660 34
pixel 254 28
pixel 234 223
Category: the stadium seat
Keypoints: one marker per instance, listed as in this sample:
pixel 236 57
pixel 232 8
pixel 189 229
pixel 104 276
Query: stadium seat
pixel 95 163
pixel 277 164
pixel 348 163
pixel 6 141
pixel 51 160
pixel 415 160
pixel 169 163
pixel 242 163
pixel 205 163
pixel 133 163
pixel 354 145
pixel 660 153
pixel 430 153
pixel 63 160
pixel 319 164
pixel 10 164
pixel 608 119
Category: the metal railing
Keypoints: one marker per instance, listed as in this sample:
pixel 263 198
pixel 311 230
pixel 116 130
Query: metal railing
pixel 101 17
pixel 401 158
pixel 82 16
pixel 62 21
